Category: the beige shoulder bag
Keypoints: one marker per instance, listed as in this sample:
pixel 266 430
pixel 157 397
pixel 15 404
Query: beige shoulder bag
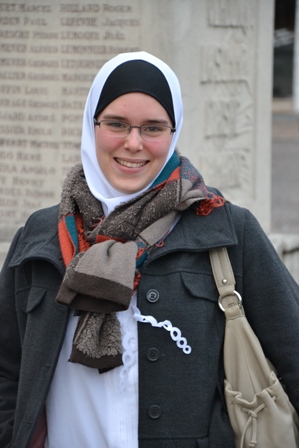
pixel 259 409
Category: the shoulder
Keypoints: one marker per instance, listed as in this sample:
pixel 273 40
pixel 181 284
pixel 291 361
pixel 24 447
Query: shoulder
pixel 230 225
pixel 240 217
pixel 237 214
pixel 45 218
pixel 39 236
pixel 245 223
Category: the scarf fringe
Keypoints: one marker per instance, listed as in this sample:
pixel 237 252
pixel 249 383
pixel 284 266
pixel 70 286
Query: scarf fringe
pixel 205 207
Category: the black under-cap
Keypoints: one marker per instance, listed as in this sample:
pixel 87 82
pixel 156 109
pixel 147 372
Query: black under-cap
pixel 136 76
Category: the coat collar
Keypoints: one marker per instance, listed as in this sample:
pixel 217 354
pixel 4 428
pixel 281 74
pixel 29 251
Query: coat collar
pixel 200 233
pixel 39 240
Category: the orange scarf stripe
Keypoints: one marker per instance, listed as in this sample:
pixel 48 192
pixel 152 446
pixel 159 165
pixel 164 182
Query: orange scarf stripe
pixel 102 238
pixel 67 246
pixel 175 174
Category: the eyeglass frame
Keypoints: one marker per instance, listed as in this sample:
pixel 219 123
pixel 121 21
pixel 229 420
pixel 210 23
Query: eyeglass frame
pixel 98 123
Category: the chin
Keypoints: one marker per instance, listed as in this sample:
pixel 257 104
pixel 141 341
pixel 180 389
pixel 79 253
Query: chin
pixel 129 190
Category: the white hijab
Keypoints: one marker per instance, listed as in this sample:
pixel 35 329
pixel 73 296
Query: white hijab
pixel 96 181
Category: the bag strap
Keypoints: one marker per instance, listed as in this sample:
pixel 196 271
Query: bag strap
pixel 222 271
pixel 223 275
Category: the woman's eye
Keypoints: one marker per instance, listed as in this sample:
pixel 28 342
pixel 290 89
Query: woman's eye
pixel 116 125
pixel 152 129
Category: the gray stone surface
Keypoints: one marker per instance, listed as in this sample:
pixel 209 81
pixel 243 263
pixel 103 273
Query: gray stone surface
pixel 285 169
pixel 51 50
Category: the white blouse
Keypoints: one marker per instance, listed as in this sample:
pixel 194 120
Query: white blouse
pixel 92 410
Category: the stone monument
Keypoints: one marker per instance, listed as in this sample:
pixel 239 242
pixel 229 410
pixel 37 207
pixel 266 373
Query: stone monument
pixel 51 50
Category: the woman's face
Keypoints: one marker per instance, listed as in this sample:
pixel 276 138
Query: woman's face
pixel 130 163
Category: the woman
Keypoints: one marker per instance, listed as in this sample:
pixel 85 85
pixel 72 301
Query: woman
pixel 111 335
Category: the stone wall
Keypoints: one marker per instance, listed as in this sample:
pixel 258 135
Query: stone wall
pixel 51 50
pixel 287 247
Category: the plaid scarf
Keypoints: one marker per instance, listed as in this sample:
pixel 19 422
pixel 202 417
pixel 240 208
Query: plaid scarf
pixel 102 256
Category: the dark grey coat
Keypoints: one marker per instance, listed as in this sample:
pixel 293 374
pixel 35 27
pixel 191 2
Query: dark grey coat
pixel 180 396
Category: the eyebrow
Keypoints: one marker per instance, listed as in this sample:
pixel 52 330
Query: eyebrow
pixel 121 118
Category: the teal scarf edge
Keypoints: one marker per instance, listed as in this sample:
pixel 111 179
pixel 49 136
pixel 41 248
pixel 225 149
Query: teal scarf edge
pixel 170 166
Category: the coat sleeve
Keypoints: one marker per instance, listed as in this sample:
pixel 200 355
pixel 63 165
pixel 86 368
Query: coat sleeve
pixel 271 302
pixel 10 349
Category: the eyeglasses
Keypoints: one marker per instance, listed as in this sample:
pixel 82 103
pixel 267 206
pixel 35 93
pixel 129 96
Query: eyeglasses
pixel 149 132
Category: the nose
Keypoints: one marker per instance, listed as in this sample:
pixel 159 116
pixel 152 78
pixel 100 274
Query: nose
pixel 134 141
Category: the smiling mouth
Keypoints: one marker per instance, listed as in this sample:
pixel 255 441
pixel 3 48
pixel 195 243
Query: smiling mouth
pixel 130 164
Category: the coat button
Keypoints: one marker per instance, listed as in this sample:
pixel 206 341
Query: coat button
pixel 153 354
pixel 152 295
pixel 154 411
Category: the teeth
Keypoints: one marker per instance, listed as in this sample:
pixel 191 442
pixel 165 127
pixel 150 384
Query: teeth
pixel 130 164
